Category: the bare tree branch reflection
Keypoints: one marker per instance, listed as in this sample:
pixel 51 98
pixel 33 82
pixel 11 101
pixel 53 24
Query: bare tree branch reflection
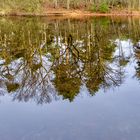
pixel 44 61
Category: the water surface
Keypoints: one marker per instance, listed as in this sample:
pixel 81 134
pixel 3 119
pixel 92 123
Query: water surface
pixel 69 79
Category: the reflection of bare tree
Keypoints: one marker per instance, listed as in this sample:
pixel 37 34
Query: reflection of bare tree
pixel 30 79
pixel 101 69
pixel 137 56
pixel 53 59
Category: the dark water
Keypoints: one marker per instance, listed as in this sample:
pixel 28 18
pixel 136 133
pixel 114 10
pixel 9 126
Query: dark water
pixel 66 79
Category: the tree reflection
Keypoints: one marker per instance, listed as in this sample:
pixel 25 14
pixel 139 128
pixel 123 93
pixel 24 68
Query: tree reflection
pixel 42 61
pixel 67 81
pixel 137 56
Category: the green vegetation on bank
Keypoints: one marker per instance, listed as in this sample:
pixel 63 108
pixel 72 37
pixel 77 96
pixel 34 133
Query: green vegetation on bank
pixel 37 6
pixel 102 8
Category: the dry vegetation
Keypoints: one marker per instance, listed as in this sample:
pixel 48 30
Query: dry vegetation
pixel 38 7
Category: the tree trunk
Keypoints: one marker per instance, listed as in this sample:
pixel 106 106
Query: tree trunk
pixel 55 3
pixel 68 4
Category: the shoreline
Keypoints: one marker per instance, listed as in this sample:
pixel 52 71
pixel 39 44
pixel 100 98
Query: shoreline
pixel 71 13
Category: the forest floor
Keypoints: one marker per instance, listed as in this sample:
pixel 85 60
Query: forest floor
pixel 73 13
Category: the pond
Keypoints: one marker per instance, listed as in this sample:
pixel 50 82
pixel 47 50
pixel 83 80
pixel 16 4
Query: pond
pixel 69 79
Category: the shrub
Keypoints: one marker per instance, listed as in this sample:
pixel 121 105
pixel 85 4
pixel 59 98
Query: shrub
pixel 102 8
